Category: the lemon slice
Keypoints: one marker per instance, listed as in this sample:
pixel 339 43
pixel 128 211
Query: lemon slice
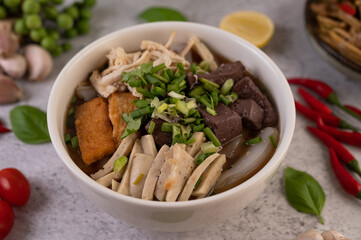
pixel 255 27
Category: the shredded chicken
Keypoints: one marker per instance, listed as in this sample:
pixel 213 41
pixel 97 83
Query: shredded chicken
pixel 119 61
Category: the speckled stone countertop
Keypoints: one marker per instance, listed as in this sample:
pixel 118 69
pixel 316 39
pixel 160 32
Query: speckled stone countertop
pixel 58 210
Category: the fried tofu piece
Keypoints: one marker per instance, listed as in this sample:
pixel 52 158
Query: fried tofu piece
pixel 119 103
pixel 94 130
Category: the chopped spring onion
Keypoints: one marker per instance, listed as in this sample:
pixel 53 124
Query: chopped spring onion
pixel 273 140
pixel 141 112
pixel 153 80
pixel 162 107
pixel 192 140
pixel 168 127
pixel 193 68
pixel 144 92
pixel 197 183
pixel 205 65
pixel 253 141
pixel 210 135
pixel 73 99
pixel 194 113
pixel 163 79
pixel 192 104
pixel 224 99
pixel 202 157
pixel 214 96
pixel 197 92
pixel 232 97
pixel 71 111
pixel 140 103
pixel 211 111
pixel 187 120
pixel 151 127
pixel 210 83
pixel 67 137
pixel 138 179
pixel 120 163
pixel 199 121
pixel 186 131
pixel 198 128
pixel 176 95
pixel 182 107
pixel 157 91
pixel 208 147
pixel 173 87
pixel 227 86
pixel 176 135
pixel 158 68
pixel 74 142
pixel 205 101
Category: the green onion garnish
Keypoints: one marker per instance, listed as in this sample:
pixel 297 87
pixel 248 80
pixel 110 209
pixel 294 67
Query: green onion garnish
pixel 187 120
pixel 168 127
pixel 208 147
pixel 182 107
pixel 144 92
pixel 211 111
pixel 138 179
pixel 151 127
pixel 210 135
pixel 197 92
pixel 158 68
pixel 205 65
pixel 224 99
pixel 141 112
pixel 186 131
pixel 162 107
pixel 67 137
pixel 176 95
pixel 120 163
pixel 198 182
pixel 162 78
pixel 74 142
pixel 157 91
pixel 71 111
pixel 232 97
pixel 192 104
pixel 198 128
pixel 193 68
pixel 205 101
pixel 209 83
pixel 253 141
pixel 214 95
pixel 227 86
pixel 273 140
pixel 202 157
pixel 192 140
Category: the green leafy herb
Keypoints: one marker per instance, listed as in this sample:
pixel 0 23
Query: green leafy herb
pixel 67 137
pixel 151 127
pixel 253 141
pixel 74 142
pixel 120 163
pixel 29 124
pixel 133 125
pixel 273 140
pixel 303 192
pixel 197 183
pixel 156 14
pixel 202 157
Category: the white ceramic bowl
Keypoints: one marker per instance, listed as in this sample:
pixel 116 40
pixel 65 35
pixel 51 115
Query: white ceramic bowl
pixel 172 216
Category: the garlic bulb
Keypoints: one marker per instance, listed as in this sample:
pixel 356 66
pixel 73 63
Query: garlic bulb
pixel 39 62
pixel 9 91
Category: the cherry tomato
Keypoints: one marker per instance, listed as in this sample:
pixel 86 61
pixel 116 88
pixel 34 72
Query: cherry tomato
pixel 14 187
pixel 6 219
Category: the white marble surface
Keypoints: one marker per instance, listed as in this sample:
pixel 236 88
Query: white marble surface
pixel 58 210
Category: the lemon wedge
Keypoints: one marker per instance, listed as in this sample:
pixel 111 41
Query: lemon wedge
pixel 255 27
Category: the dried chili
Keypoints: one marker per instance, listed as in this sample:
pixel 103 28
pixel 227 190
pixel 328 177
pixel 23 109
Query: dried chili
pixel 327 118
pixel 341 151
pixel 352 138
pixel 324 91
pixel 314 103
pixel 348 183
pixel 348 8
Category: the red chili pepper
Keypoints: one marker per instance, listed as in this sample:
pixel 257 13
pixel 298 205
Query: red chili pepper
pixel 343 136
pixel 314 103
pixel 348 183
pixel 341 151
pixel 327 118
pixel 348 8
pixel 3 129
pixel 324 91
pixel 353 108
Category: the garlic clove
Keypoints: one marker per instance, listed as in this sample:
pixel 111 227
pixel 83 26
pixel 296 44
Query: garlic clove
pixel 310 235
pixel 9 91
pixel 332 235
pixel 39 62
pixel 9 41
pixel 14 65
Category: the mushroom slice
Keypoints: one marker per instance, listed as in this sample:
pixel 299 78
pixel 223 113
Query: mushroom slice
pixel 141 165
pixel 192 180
pixel 148 145
pixel 115 185
pixel 209 177
pixel 153 174
pixel 106 180
pixel 160 190
pixel 124 184
pixel 182 165
pixel 123 150
pixel 193 148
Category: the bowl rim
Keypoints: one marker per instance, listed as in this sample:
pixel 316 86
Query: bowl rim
pixel 274 162
pixel 311 25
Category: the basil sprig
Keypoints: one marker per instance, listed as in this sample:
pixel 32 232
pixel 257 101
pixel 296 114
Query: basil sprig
pixel 303 192
pixel 29 124
pixel 156 14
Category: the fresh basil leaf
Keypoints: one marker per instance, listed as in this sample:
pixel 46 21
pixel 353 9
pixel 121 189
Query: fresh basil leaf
pixel 303 192
pixel 156 14
pixel 29 124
